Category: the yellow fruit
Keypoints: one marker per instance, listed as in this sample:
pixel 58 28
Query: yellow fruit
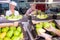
pixel 21 36
pixel 6 38
pixel 38 16
pixel 2 35
pixel 39 11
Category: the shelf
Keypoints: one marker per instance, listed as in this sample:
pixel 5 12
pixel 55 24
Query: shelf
pixel 4 1
pixel 44 2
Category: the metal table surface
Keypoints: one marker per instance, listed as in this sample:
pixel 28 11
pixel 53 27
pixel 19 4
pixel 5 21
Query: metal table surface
pixel 4 20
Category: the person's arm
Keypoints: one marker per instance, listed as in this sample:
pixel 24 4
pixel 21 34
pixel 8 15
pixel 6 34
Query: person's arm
pixel 28 11
pixel 54 30
pixel 33 13
pixel 8 24
pixel 7 13
pixel 35 22
pixel 46 36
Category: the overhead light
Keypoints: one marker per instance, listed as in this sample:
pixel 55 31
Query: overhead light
pixel 50 0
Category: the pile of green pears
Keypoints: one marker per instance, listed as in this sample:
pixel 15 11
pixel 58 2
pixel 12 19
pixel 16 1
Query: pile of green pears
pixel 11 33
pixel 14 17
pixel 40 26
pixel 42 15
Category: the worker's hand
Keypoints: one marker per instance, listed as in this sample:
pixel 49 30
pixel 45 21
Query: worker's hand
pixel 30 14
pixel 2 15
pixel 15 23
pixel 35 22
pixel 51 28
pixel 45 35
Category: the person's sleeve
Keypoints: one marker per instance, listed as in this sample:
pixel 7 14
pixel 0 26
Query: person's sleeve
pixel 7 13
pixel 17 13
pixel 28 11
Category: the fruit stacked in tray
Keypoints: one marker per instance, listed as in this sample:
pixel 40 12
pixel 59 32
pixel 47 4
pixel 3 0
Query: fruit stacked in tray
pixel 42 17
pixel 40 28
pixel 11 33
pixel 13 17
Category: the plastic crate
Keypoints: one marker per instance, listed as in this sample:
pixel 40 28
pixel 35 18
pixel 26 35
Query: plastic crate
pixel 37 37
pixel 25 34
pixel 58 23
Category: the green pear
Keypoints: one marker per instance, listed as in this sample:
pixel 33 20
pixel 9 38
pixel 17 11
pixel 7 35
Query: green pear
pixel 0 30
pixel 15 17
pixel 39 11
pixel 15 38
pixel 53 24
pixel 19 29
pixel 9 18
pixel 5 29
pixel 19 17
pixel 13 28
pixel 21 36
pixel 12 16
pixel 46 24
pixel 42 16
pixel 46 16
pixel 38 16
pixel 16 33
pixel 6 17
pixel 9 33
pixel 40 25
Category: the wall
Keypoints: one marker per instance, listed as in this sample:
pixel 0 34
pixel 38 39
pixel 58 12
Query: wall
pixel 40 7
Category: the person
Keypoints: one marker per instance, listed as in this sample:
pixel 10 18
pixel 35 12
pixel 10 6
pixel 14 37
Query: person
pixel 31 9
pixel 12 10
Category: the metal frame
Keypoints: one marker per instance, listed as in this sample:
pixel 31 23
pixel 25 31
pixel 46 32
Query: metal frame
pixel 46 2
